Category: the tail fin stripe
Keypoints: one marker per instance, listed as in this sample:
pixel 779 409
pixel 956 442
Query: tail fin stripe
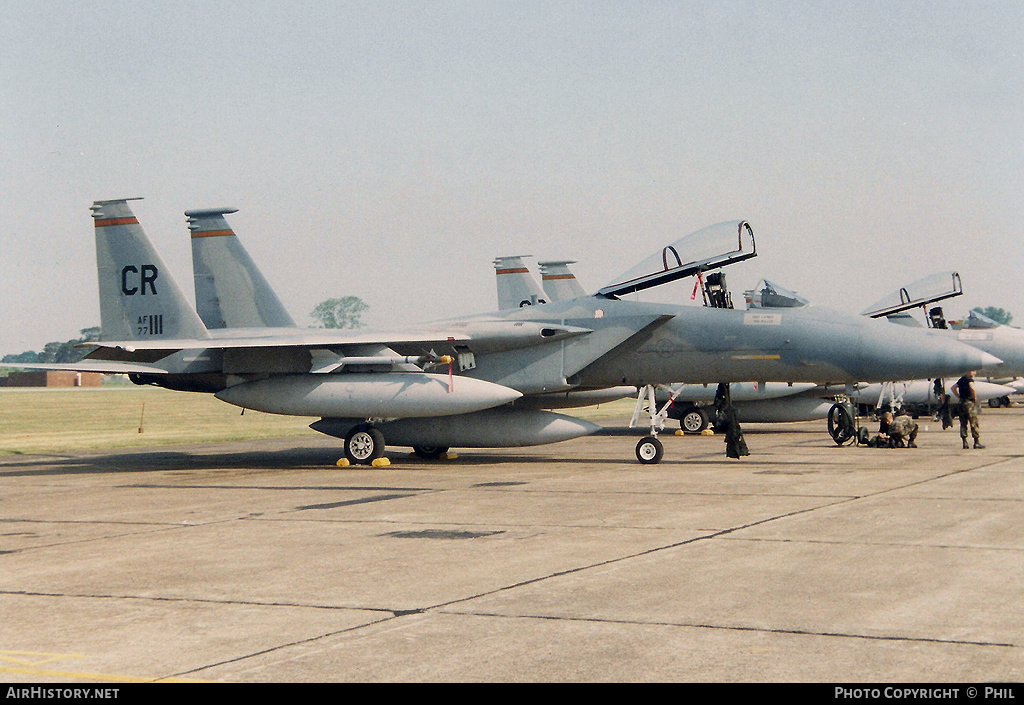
pixel 211 233
pixel 116 221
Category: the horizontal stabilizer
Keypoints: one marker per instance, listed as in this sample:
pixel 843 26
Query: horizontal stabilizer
pixel 109 367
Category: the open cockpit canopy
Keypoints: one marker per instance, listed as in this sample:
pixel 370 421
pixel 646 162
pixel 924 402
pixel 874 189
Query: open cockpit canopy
pixel 930 289
pixel 710 248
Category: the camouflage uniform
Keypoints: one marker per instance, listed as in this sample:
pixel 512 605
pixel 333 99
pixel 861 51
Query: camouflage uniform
pixel 901 429
pixel 968 409
pixel 969 417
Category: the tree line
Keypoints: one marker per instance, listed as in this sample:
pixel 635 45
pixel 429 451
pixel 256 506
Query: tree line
pixel 57 351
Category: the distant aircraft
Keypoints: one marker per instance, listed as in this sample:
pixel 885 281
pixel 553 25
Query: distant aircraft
pixel 1002 341
pixel 459 382
pixel 516 286
pixel 559 282
pixel 920 393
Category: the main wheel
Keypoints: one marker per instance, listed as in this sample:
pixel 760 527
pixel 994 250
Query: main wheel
pixel 429 452
pixel 363 445
pixel 693 420
pixel 649 450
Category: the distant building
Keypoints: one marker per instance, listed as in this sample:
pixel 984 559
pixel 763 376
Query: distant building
pixel 52 378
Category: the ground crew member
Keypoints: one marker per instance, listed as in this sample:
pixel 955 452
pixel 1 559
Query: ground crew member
pixel 968 409
pixel 944 413
pixel 735 446
pixel 882 440
pixel 903 429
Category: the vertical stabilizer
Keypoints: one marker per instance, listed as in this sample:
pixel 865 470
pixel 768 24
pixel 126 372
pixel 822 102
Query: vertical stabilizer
pixel 231 292
pixel 559 282
pixel 517 287
pixel 139 299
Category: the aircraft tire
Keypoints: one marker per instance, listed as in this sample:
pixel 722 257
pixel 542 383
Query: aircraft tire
pixel 693 420
pixel 840 423
pixel 649 450
pixel 364 444
pixel 429 452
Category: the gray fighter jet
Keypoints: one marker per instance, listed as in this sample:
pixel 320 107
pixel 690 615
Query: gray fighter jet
pixel 216 250
pixel 475 381
pixel 1002 341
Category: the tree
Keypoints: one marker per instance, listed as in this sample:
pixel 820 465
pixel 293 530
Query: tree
pixel 57 351
pixel 996 314
pixel 27 356
pixel 345 312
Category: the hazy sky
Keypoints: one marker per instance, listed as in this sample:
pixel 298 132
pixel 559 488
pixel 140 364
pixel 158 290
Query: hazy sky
pixel 390 150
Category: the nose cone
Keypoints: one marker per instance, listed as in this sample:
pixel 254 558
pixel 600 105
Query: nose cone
pixel 893 352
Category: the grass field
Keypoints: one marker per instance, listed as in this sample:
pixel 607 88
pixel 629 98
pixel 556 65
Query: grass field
pixel 66 420
pixel 82 419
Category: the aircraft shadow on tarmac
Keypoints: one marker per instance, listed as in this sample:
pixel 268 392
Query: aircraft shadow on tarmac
pixel 164 460
pixel 325 458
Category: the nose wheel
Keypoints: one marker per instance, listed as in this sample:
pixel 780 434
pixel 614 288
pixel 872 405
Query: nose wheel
pixel 649 450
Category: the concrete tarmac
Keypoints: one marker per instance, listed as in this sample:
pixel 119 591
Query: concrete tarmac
pixel 264 562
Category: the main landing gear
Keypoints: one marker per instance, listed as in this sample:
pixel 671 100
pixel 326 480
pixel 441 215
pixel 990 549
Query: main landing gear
pixel 429 452
pixel 694 420
pixel 364 444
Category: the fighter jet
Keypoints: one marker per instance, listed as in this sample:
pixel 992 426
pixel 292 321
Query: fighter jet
pixel 516 289
pixel 999 340
pixel 457 382
pixel 1004 342
pixel 215 250
pixel 977 330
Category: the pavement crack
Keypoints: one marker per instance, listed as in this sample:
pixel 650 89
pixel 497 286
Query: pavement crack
pixel 733 627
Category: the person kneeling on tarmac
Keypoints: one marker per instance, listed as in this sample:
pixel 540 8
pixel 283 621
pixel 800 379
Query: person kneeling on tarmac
pixel 895 431
pixel 902 429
